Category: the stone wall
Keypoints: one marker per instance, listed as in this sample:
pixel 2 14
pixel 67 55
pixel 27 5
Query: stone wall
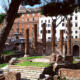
pixel 71 74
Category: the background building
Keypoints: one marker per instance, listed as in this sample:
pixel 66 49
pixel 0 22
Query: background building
pixel 28 18
pixel 75 26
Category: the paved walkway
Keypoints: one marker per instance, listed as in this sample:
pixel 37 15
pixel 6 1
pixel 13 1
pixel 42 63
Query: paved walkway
pixel 27 73
pixel 41 60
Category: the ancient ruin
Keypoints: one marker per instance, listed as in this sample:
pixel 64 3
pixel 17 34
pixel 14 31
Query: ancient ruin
pixel 27 43
pixel 44 37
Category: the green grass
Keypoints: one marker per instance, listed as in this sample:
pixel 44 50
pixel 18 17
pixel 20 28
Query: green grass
pixel 74 62
pixel 28 58
pixel 3 65
pixel 5 53
pixel 35 64
pixel 78 58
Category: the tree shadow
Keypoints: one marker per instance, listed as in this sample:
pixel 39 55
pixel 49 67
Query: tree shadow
pixel 24 79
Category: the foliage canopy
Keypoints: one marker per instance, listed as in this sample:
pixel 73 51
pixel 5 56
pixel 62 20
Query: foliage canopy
pixel 30 2
pixel 2 16
pixel 57 8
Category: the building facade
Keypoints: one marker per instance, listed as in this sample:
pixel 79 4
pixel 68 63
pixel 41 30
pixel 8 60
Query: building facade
pixel 61 24
pixel 28 18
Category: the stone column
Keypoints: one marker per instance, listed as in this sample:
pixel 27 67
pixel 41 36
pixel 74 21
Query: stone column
pixel 61 41
pixel 44 37
pixel 68 38
pixel 27 43
pixel 69 57
pixel 53 36
pixel 35 38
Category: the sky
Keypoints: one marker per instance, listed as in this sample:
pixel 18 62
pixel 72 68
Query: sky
pixel 5 2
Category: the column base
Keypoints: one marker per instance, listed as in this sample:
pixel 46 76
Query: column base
pixel 26 55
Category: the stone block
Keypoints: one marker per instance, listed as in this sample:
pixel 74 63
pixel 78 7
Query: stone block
pixel 13 60
pixel 2 77
pixel 55 77
pixel 69 59
pixel 59 58
pixel 53 58
pixel 13 76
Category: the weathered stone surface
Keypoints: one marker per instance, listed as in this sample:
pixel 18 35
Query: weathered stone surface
pixel 55 77
pixel 13 60
pixel 44 37
pixel 29 73
pixel 59 58
pixel 70 73
pixel 53 58
pixel 13 76
pixel 68 38
pixel 35 38
pixel 2 77
pixel 61 41
pixel 27 43
pixel 53 36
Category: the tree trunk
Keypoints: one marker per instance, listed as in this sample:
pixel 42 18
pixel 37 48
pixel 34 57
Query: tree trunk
pixel 8 22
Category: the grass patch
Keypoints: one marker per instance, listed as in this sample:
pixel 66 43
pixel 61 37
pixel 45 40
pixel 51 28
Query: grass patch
pixel 74 62
pixel 3 65
pixel 78 58
pixel 28 58
pixel 5 53
pixel 35 64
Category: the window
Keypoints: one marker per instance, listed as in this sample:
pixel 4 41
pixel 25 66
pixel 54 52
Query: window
pixel 22 30
pixel 71 24
pixel 33 19
pixel 49 37
pixel 33 14
pixel 27 19
pixel 71 18
pixel 48 25
pixel 63 19
pixel 41 21
pixel 76 25
pixel 48 31
pixel 75 11
pixel 71 31
pixel 66 37
pixel 48 21
pixel 41 31
pixel 17 30
pixel 45 21
pixel 27 14
pixel 75 17
pixel 62 24
pixel 79 28
pixel 75 36
pixel 75 31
